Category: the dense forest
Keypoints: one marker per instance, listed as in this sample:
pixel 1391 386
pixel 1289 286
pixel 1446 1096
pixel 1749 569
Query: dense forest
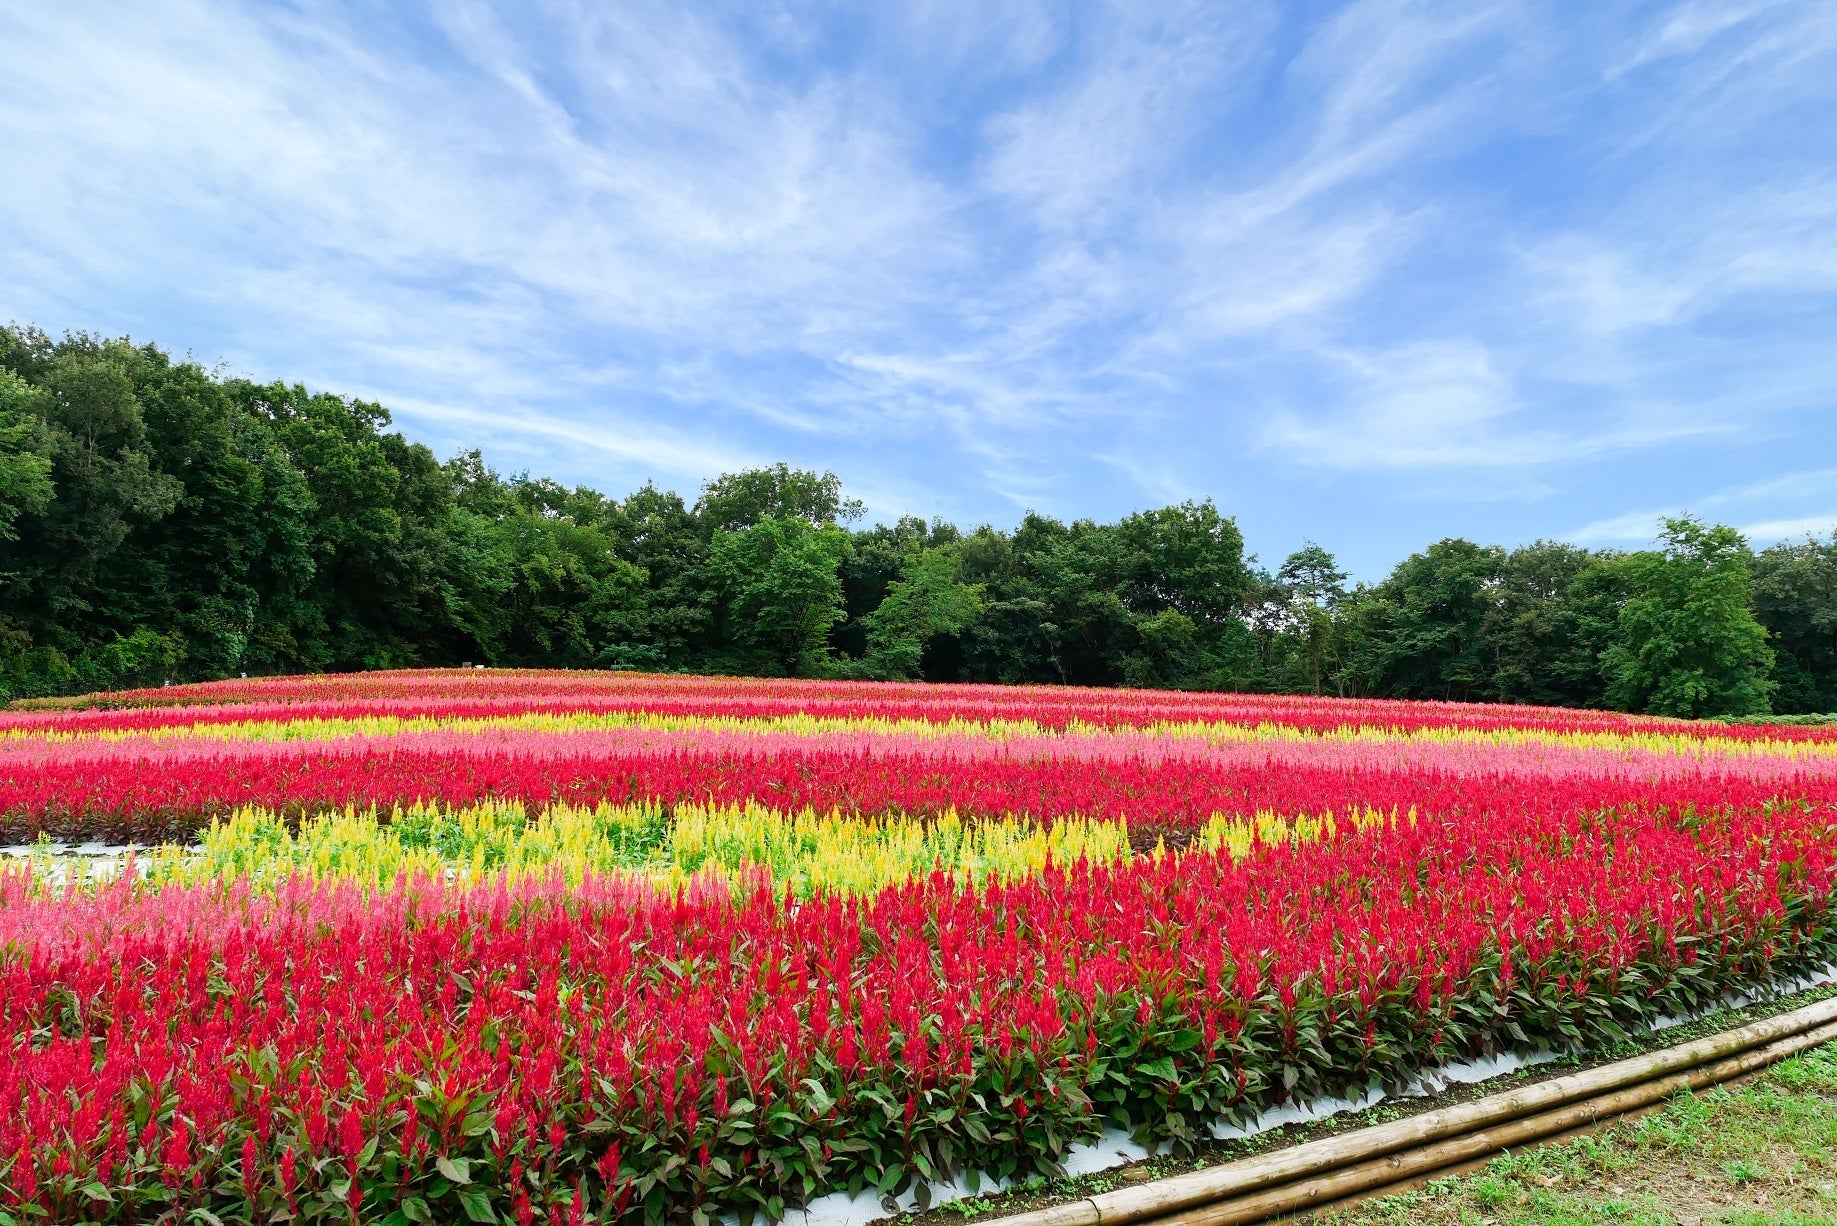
pixel 159 522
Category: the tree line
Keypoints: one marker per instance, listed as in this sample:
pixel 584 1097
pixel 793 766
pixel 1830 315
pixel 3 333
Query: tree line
pixel 163 522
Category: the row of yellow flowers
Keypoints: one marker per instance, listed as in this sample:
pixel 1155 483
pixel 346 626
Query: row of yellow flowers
pixel 994 729
pixel 805 852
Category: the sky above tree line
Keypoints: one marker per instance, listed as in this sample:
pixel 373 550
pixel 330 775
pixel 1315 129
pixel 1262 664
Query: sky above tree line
pixel 1370 274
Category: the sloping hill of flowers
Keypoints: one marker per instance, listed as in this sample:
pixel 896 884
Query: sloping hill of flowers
pixel 470 945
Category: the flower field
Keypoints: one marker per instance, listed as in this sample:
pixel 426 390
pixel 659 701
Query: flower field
pixel 552 947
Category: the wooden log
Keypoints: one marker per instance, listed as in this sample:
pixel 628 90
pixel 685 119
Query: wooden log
pixel 1447 1157
pixel 1071 1213
pixel 1483 1161
pixel 1317 1158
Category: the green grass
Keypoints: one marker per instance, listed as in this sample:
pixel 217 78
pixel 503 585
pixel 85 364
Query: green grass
pixel 1764 1154
pixel 1808 1080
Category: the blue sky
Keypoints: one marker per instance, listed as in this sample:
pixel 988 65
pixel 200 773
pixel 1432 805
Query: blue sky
pixel 1370 274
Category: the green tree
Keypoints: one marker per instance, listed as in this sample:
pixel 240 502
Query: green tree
pixel 878 559
pixel 782 586
pixel 570 593
pixel 673 618
pixel 1421 631
pixel 76 602
pixel 1542 630
pixel 1591 608
pixel 926 601
pixel 383 547
pixel 1795 598
pixel 1186 583
pixel 105 475
pixel 1312 587
pixel 235 550
pixel 734 501
pixel 1188 558
pixel 1077 573
pixel 1014 638
pixel 1313 575
pixel 1688 640
pixel 25 465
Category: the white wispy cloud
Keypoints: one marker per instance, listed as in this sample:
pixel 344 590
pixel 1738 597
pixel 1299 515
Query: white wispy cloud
pixel 1642 528
pixel 1817 484
pixel 1449 405
pixel 1772 530
pixel 1780 240
pixel 1077 156
pixel 990 255
pixel 1806 494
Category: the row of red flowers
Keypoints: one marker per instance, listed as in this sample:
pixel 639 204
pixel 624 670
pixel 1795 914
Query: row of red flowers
pixel 455 692
pixel 123 790
pixel 538 1053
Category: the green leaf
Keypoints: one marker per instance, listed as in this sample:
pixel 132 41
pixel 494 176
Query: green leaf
pixel 1162 1068
pixel 459 1170
pixel 476 1204
pixel 820 1100
pixel 1182 1040
pixel 415 1210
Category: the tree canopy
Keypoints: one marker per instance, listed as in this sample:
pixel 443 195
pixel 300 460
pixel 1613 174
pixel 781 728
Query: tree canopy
pixel 161 522
pixel 1689 643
